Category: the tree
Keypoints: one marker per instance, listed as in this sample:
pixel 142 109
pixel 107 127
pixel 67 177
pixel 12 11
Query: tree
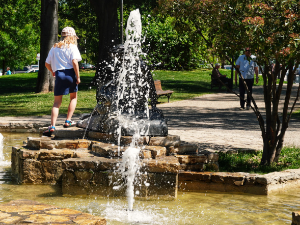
pixel 49 33
pixel 19 33
pixel 108 27
pixel 271 27
pixel 86 27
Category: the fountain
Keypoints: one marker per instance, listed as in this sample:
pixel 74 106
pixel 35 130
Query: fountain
pixel 2 159
pixel 120 139
pixel 124 86
pixel 123 138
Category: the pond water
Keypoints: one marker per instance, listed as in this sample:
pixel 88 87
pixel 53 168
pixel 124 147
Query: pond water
pixel 190 207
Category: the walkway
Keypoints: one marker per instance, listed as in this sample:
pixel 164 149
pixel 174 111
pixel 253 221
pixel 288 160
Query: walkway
pixel 213 121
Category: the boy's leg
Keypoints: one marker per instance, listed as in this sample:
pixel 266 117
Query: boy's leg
pixel 72 105
pixel 55 109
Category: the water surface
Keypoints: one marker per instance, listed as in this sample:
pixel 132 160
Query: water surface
pixel 189 208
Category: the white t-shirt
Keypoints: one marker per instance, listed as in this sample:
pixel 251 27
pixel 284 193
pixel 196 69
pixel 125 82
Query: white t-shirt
pixel 61 58
pixel 246 66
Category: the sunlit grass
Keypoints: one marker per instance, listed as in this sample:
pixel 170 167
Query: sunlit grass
pixel 18 97
pixel 250 162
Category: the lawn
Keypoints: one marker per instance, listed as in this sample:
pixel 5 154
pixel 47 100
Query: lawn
pixel 18 97
pixel 250 161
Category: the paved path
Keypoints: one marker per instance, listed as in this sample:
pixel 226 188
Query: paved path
pixel 215 122
pixel 212 121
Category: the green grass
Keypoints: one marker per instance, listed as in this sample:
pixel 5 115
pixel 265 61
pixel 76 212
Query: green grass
pixel 250 162
pixel 18 97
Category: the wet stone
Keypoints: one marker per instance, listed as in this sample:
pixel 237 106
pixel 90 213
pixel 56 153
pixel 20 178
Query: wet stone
pixel 170 140
pixel 185 148
pixel 192 167
pixel 32 212
pixel 192 159
pixel 156 151
pixel 145 154
pixel 107 150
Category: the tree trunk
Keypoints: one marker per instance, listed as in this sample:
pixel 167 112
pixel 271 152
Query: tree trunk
pixel 3 67
pixel 107 17
pixel 49 32
pixel 275 129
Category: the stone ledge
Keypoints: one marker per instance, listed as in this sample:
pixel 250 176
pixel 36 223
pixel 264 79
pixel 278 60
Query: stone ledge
pixel 20 127
pixel 32 212
pixel 239 182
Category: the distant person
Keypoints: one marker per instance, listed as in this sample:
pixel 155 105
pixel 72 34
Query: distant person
pixel 216 74
pixel 8 72
pixel 62 62
pixel 247 67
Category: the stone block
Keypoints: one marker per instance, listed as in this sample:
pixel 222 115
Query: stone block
pixel 93 163
pixel 162 185
pixel 237 179
pixel 262 180
pixel 191 159
pixel 112 184
pixel 73 144
pixel 69 133
pixel 57 154
pixel 48 144
pixel 194 176
pixel 192 167
pixel 36 172
pixel 250 179
pixel 161 165
pixel 156 151
pixel 107 150
pixel 127 140
pixel 34 143
pixel 28 154
pixel 170 140
pixel 145 154
pixel 102 136
pixel 185 148
pixel 213 157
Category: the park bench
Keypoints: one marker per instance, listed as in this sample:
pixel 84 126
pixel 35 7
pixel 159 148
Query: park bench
pixel 214 83
pixel 160 91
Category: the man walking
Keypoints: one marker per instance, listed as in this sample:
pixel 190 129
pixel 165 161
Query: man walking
pixel 247 67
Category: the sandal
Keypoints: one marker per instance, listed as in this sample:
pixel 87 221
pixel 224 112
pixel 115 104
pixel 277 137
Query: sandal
pixel 69 123
pixel 49 131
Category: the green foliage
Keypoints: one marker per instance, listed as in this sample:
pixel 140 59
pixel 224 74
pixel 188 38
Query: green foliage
pixel 249 162
pixel 270 29
pixel 86 27
pixel 167 48
pixel 19 33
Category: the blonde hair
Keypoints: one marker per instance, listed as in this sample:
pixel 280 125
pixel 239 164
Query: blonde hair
pixel 67 40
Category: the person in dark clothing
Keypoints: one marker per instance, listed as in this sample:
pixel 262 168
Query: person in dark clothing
pixel 216 74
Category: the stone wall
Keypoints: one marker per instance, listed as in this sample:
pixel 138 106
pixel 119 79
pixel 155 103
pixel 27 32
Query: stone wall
pixel 239 182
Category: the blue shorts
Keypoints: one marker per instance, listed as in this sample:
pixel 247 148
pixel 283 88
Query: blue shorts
pixel 65 82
